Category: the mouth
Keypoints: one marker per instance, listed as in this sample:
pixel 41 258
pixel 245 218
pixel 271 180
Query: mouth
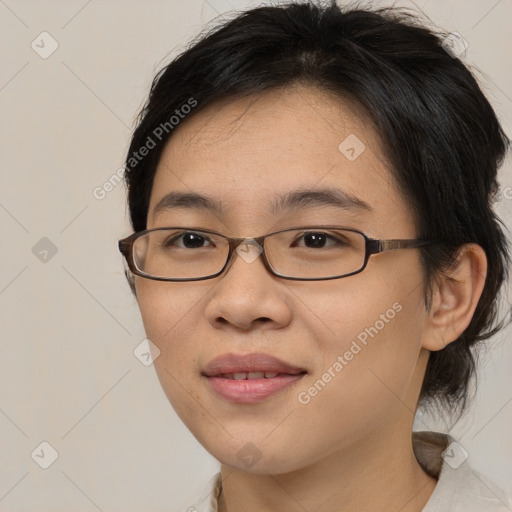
pixel 250 378
pixel 249 366
pixel 253 375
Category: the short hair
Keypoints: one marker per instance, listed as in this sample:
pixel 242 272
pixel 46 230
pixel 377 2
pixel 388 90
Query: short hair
pixel 437 129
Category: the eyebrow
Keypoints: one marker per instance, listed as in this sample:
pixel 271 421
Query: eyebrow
pixel 291 200
pixel 319 197
pixel 189 200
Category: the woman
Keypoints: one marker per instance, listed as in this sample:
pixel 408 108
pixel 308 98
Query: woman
pixel 315 253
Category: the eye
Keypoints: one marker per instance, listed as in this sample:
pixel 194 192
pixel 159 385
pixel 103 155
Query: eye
pixel 318 240
pixel 188 240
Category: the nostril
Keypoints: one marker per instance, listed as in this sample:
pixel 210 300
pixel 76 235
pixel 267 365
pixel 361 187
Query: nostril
pixel 261 320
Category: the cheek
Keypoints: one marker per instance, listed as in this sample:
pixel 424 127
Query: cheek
pixel 169 314
pixel 368 363
pixel 363 308
pixel 368 338
pixel 165 309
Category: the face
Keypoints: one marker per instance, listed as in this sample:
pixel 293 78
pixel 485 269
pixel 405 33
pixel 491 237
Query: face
pixel 356 340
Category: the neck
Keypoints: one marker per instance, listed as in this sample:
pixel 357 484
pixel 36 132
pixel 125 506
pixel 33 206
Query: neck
pixel 374 474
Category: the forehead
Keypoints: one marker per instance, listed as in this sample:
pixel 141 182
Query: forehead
pixel 246 153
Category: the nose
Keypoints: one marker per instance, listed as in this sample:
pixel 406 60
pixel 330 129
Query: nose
pixel 248 295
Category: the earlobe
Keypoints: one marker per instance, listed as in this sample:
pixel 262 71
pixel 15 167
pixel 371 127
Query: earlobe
pixel 456 294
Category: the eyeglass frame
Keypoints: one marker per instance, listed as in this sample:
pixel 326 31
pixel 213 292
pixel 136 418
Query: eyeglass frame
pixel 372 246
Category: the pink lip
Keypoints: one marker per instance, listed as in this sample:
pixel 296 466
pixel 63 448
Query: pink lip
pixel 250 390
pixel 232 363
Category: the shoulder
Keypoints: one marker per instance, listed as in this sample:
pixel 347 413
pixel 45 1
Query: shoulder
pixel 459 487
pixel 465 490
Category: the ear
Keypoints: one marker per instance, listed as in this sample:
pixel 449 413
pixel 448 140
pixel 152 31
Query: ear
pixel 131 281
pixel 455 296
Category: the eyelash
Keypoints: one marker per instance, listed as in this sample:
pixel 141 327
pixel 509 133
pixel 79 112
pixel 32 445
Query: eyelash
pixel 168 243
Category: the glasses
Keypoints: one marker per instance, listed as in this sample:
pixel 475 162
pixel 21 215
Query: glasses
pixel 303 253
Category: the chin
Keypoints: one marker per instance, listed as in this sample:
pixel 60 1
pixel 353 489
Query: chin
pixel 250 457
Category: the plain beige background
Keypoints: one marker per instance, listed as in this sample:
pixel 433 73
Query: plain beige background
pixel 69 324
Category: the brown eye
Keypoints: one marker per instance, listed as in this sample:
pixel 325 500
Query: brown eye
pixel 317 240
pixel 188 240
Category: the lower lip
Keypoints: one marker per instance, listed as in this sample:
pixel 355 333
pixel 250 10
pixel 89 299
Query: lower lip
pixel 253 390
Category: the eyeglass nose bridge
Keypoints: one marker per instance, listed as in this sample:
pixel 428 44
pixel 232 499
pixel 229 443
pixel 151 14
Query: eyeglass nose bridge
pixel 249 249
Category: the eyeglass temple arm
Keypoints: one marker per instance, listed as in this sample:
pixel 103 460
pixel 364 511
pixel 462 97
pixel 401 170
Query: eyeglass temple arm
pixel 376 246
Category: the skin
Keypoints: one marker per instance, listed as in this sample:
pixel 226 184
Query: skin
pixel 350 447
